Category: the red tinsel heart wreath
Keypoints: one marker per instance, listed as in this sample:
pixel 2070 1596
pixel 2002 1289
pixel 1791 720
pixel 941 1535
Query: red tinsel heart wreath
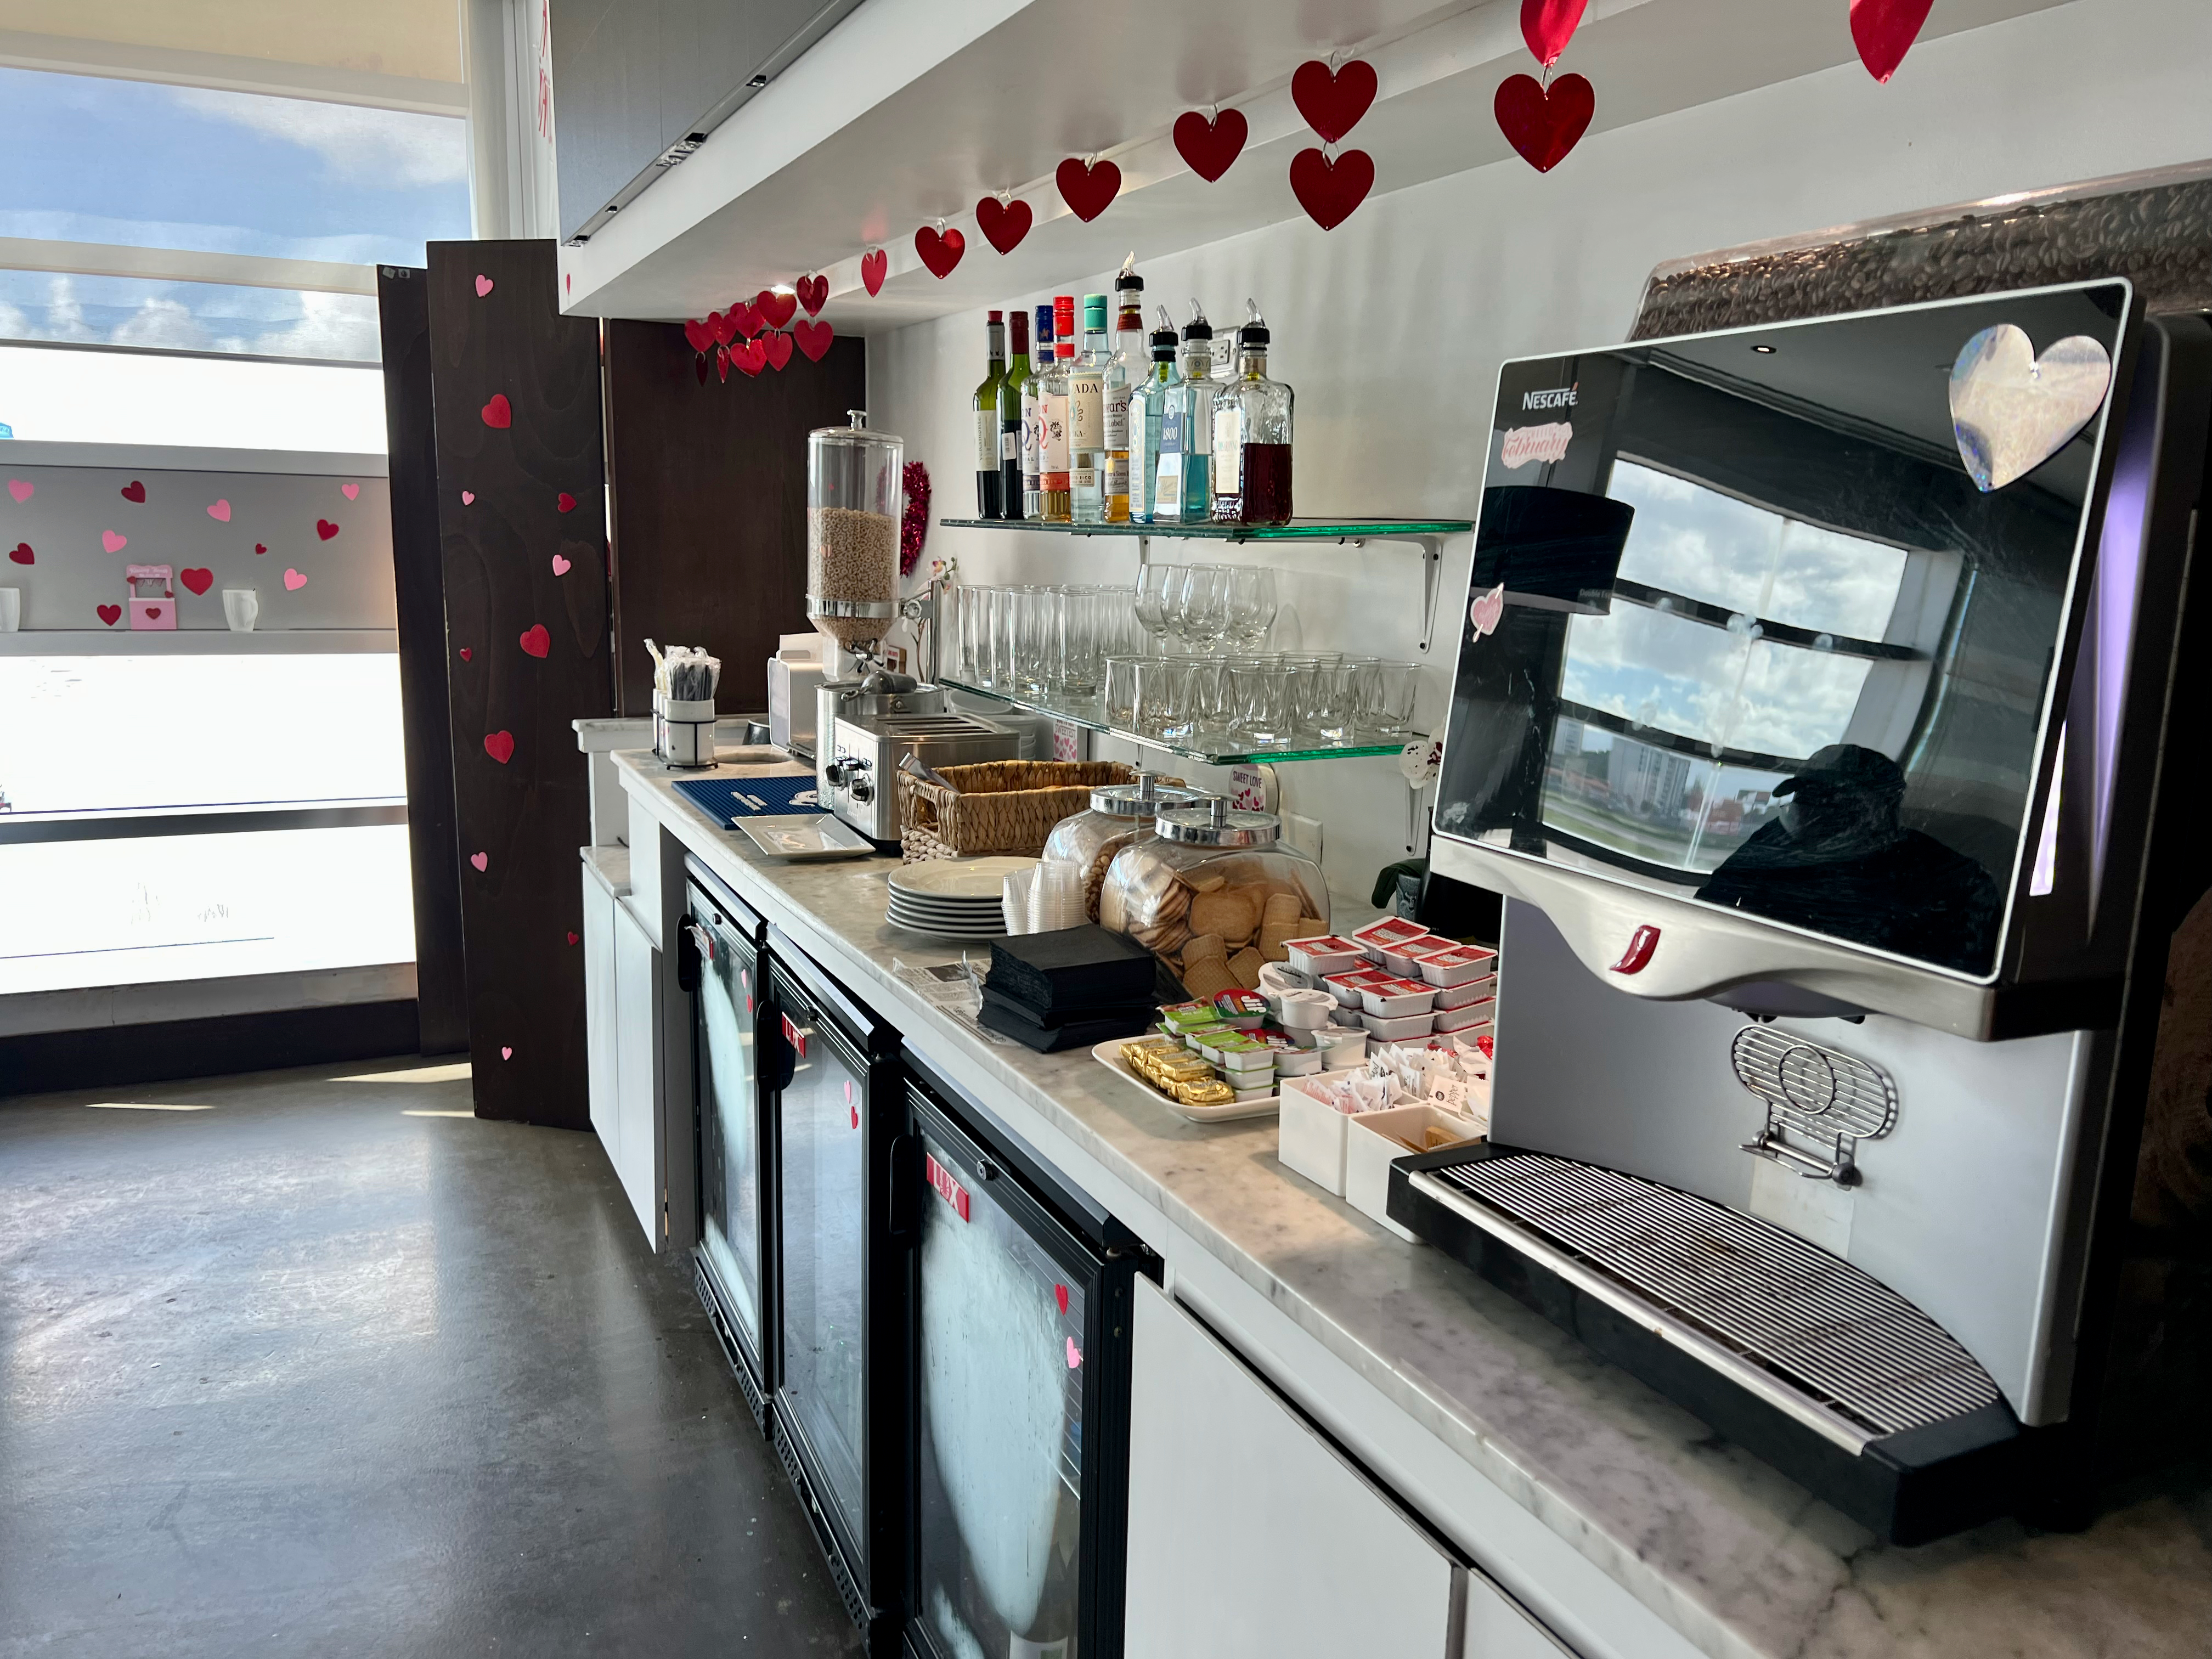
pixel 913 523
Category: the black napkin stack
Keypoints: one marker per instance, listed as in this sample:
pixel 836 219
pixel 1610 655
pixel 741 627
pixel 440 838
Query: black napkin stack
pixel 1070 988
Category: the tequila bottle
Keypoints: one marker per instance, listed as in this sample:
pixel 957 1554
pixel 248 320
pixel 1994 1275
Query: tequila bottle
pixel 1033 420
pixel 1055 458
pixel 985 407
pixel 1252 435
pixel 1086 416
pixel 1125 372
pixel 1182 490
pixel 1146 397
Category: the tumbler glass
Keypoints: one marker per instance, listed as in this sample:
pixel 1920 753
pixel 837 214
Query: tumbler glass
pixel 1083 617
pixel 1121 702
pixel 1256 688
pixel 1036 633
pixel 1160 696
pixel 1386 697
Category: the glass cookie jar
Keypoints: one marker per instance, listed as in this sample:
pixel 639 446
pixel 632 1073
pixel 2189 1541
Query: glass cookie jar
pixel 1215 894
pixel 1119 816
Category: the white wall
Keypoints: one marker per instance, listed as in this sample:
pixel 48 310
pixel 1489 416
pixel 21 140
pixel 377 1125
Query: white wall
pixel 1391 327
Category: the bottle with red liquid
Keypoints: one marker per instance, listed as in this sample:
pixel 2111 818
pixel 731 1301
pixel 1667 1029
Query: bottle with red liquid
pixel 1252 436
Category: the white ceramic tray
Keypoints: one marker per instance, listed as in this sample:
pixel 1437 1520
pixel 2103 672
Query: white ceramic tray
pixel 1109 1054
pixel 805 837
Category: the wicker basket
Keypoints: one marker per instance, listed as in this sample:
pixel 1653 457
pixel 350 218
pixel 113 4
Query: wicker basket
pixel 996 807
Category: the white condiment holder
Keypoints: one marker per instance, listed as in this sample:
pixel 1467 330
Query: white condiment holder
pixel 1371 1147
pixel 684 730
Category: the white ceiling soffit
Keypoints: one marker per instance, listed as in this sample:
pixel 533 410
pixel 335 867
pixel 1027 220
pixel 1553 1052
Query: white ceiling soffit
pixel 911 109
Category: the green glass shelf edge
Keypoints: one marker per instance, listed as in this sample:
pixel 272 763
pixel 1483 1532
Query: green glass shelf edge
pixel 1298 530
pixel 1091 722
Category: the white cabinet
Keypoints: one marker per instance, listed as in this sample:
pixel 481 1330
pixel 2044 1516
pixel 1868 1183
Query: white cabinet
pixel 1497 1628
pixel 634 1144
pixel 599 1002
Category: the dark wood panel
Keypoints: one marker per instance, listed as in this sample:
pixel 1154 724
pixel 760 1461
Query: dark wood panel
pixel 709 503
pixel 403 304
pixel 106 1057
pixel 515 560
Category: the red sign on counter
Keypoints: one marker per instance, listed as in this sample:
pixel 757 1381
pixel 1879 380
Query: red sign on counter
pixel 941 1180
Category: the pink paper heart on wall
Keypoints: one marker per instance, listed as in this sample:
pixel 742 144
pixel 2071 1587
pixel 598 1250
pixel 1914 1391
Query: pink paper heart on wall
pixel 498 412
pixel 351 491
pixel 110 614
pixel 468 498
pixel 814 338
pixel 113 542
pixel 499 745
pixel 564 502
pixel 134 491
pixel 482 860
pixel 325 529
pixel 536 641
pixel 466 653
pixel 220 512
pixel 875 264
pixel 484 285
pixel 196 582
pixel 294 581
pixel 561 566
pixel 505 1052
pixel 20 489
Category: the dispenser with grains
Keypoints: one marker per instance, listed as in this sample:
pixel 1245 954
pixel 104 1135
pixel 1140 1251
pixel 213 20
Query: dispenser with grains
pixel 854 496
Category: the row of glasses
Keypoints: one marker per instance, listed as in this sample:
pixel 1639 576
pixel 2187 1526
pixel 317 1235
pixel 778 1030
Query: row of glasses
pixel 1041 641
pixel 1192 609
pixel 1323 700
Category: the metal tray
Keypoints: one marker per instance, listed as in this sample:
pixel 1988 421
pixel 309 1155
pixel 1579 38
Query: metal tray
pixel 805 837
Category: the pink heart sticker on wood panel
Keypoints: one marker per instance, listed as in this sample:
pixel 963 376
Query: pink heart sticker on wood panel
pixel 482 860
pixel 875 264
pixel 325 529
pixel 505 1052
pixel 536 641
pixel 113 542
pixel 561 566
pixel 21 489
pixel 293 581
pixel 351 491
pixel 499 745
pixel 220 512
pixel 484 285
pixel 468 497
pixel 196 582
pixel 134 491
pixel 110 614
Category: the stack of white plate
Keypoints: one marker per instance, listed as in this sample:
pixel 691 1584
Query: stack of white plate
pixel 954 898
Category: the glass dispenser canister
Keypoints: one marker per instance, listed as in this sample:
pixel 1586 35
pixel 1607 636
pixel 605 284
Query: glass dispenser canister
pixel 854 493
pixel 1215 895
pixel 1120 815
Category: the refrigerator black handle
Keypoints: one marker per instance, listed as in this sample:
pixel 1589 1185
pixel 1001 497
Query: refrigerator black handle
pixel 902 1220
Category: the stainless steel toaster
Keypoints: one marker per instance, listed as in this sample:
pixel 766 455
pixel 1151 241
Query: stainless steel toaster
pixel 859 764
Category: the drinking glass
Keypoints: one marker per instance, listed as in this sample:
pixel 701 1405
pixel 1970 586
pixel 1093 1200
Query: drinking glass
pixel 1036 632
pixel 1252 604
pixel 1334 700
pixel 1155 586
pixel 1006 607
pixel 1256 688
pixel 1083 617
pixel 1121 701
pixel 1201 605
pixel 1160 705
pixel 1386 697
pixel 1208 694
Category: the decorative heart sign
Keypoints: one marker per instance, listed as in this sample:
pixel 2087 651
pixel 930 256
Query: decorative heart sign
pixel 749 358
pixel 696 336
pixel 110 614
pixel 484 285
pixel 324 528
pixel 220 512
pixel 564 502
pixel 482 860
pixel 875 264
pixel 499 413
pixel 814 338
pixel 196 582
pixel 573 936
pixel 813 293
pixel 153 613
pixel 1329 190
pixel 1884 31
pixel 1548 25
pixel 134 491
pixel 940 252
pixel 351 491
pixel 468 498
pixel 776 309
pixel 499 745
pixel 293 581
pixel 260 548
pixel 776 348
pixel 536 641
pixel 1003 224
pixel 505 1052
pixel 1333 100
pixel 722 325
pixel 21 554
pixel 2011 411
pixel 562 567
pixel 1211 147
pixel 22 489
pixel 113 542
pixel 1486 609
pixel 748 321
pixel 466 654
pixel 1088 190
pixel 1544 127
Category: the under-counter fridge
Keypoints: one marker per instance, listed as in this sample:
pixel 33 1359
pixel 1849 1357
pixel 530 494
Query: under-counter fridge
pixel 1019 1346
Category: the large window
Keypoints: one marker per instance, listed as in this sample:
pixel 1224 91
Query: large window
pixel 52 396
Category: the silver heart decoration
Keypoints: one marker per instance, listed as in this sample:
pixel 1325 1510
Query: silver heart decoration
pixel 2011 411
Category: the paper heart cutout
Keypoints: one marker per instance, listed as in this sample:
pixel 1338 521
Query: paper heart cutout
pixel 1544 127
pixel 696 335
pixel 1884 31
pixel 1060 1295
pixel 574 936
pixel 484 285
pixel 814 338
pixel 1333 100
pixel 813 293
pixel 505 1052
pixel 294 581
pixel 699 365
pixel 721 366
pixel 22 489
pixel 499 413
pixel 196 582
pixel 562 567
pixel 1329 190
pixel 940 252
pixel 220 512
pixel 1486 609
pixel 564 502
pixel 776 309
pixel 749 358
pixel 1089 190
pixel 153 613
pixel 748 321
pixel 1074 1354
pixel 776 348
pixel 1003 224
pixel 1211 147
pixel 2011 411
pixel 874 264
pixel 110 614
pixel 466 653
pixel 722 327
pixel 134 491
pixel 856 1111
pixel 536 641
pixel 260 547
pixel 325 529
pixel 482 860
pixel 1548 25
pixel 113 542
pixel 21 554
pixel 499 745
pixel 468 497
pixel 351 491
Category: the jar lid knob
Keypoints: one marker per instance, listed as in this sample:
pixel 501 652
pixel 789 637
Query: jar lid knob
pixel 858 418
pixel 1217 810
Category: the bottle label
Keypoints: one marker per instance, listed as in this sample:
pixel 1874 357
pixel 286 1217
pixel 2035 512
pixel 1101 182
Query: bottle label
pixel 1010 444
pixel 1086 396
pixel 1168 498
pixel 1084 480
pixel 1228 451
pixel 1032 437
pixel 1117 417
pixel 1053 456
pixel 1171 432
pixel 1117 475
pixel 986 440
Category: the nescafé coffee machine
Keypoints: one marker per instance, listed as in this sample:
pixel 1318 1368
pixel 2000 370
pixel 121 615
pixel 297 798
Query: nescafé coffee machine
pixel 1822 711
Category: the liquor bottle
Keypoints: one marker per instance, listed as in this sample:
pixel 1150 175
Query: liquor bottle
pixel 1055 459
pixel 1086 416
pixel 1146 397
pixel 1252 435
pixel 986 406
pixel 1125 372
pixel 1033 420
pixel 1009 415
pixel 1182 492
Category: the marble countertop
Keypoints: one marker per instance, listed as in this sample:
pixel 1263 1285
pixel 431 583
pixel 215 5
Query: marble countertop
pixel 1736 1558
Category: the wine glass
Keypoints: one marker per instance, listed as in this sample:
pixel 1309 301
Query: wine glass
pixel 1201 605
pixel 1155 588
pixel 1252 604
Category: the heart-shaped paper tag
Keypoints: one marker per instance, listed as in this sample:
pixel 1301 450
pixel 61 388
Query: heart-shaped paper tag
pixel 564 502
pixel 562 567
pixel 1088 189
pixel 536 641
pixel 722 325
pixel 293 581
pixel 2011 411
pixel 219 511
pixel 813 293
pixel 875 264
pixel 696 335
pixel 814 338
pixel 196 582
pixel 325 529
pixel 1333 100
pixel 1884 31
pixel 1548 25
pixel 21 489
pixel 1486 609
pixel 776 348
pixel 748 359
pixel 940 252
pixel 113 542
pixel 110 614
pixel 482 860
pixel 1211 147
pixel 1544 125
pixel 134 491
pixel 351 491
pixel 499 413
pixel 484 285
pixel 1003 224
pixel 499 745
pixel 21 554
pixel 1328 190
pixel 776 309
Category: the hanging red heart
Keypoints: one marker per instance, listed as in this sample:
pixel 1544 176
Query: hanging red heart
pixel 536 641
pixel 698 335
pixel 1003 224
pixel 1545 126
pixel 940 252
pixel 749 358
pixel 134 491
pixel 776 309
pixel 1333 100
pixel 722 325
pixel 777 349
pixel 1211 147
pixel 875 264
pixel 498 412
pixel 721 365
pixel 699 365
pixel 499 745
pixel 813 294
pixel 814 339
pixel 1548 25
pixel 747 322
pixel 1088 190
pixel 1328 191
pixel 1884 31
pixel 196 582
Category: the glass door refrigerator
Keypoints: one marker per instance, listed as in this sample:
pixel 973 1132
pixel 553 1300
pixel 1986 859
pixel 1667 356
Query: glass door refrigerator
pixel 1019 1347
pixel 840 1413
pixel 718 961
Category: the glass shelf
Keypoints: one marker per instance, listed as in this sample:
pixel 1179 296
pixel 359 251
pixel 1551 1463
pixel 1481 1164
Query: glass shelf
pixel 1089 714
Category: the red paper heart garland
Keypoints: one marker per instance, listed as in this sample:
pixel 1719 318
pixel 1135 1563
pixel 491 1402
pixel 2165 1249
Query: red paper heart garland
pixel 813 293
pixel 875 263
pixel 1884 31
pixel 1003 224
pixel 777 348
pixel 939 251
pixel 1088 188
pixel 748 359
pixel 1211 147
pixel 1328 190
pixel 776 309
pixel 814 339
pixel 1545 123
pixel 1548 25
pixel 1333 100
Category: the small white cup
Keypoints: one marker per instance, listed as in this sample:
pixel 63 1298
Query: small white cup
pixel 241 606
pixel 11 608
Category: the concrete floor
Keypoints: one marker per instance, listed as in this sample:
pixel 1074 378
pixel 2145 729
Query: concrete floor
pixel 328 1367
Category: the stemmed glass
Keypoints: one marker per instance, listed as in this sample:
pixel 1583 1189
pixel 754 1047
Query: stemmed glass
pixel 1155 589
pixel 1252 604
pixel 1201 605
